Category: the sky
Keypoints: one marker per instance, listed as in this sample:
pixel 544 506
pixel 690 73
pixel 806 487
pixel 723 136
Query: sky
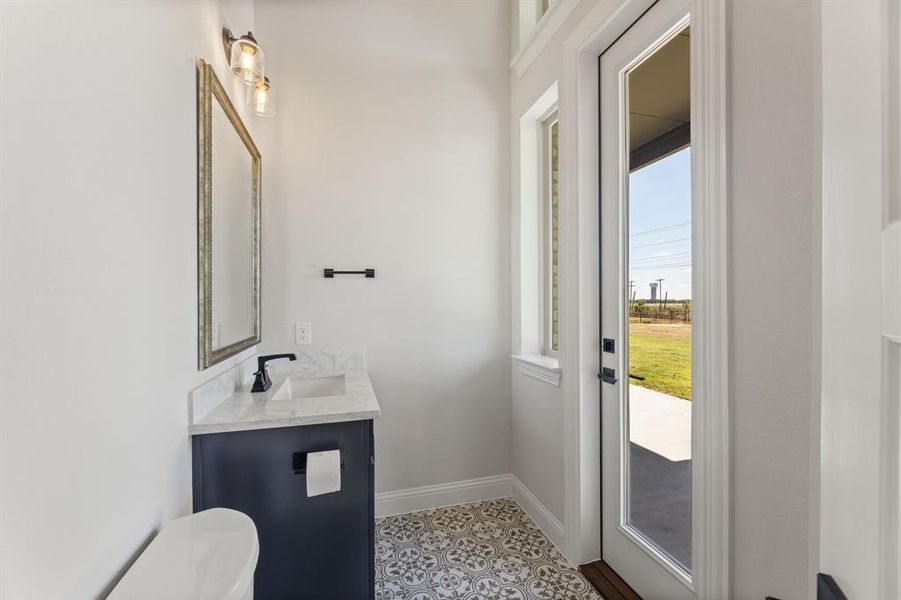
pixel 660 226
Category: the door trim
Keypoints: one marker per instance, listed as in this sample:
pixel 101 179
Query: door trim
pixel 580 350
pixel 711 447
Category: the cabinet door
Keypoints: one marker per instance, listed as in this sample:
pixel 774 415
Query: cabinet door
pixel 310 548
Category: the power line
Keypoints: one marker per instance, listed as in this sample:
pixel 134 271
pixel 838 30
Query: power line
pixel 660 257
pixel 649 267
pixel 661 228
pixel 646 260
pixel 659 243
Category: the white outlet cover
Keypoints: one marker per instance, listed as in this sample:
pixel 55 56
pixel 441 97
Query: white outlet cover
pixel 303 333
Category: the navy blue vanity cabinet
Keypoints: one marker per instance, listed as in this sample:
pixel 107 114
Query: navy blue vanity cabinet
pixel 319 548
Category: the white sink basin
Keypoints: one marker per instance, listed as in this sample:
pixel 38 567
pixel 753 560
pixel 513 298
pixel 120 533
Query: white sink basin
pixel 310 387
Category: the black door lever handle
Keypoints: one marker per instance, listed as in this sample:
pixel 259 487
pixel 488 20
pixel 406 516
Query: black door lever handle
pixel 607 375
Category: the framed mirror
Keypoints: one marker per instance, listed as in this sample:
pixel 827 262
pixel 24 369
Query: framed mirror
pixel 228 225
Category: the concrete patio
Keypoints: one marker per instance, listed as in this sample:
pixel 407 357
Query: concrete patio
pixel 660 454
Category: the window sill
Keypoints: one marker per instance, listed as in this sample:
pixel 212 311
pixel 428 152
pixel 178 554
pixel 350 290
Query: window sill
pixel 542 368
pixel 544 30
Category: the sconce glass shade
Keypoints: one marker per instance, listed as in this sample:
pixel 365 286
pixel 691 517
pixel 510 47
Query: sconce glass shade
pixel 261 98
pixel 247 61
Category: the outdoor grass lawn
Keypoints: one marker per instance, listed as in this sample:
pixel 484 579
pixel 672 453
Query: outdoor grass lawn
pixel 661 353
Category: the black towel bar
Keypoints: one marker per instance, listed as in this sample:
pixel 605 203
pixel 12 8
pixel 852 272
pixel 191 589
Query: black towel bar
pixel 330 273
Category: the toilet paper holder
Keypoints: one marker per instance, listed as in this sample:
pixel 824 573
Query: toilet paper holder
pixel 299 463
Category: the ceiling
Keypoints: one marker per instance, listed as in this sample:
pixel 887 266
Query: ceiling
pixel 659 92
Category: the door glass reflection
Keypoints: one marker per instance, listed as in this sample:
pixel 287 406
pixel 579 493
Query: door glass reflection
pixel 659 299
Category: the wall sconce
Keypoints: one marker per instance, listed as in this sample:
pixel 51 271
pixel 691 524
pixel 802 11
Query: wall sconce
pixel 261 98
pixel 247 63
pixel 245 57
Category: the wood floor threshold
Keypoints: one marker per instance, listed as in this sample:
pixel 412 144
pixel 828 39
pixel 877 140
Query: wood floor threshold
pixel 605 580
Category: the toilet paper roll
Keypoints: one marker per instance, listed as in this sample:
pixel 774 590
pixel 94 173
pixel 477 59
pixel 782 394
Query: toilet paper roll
pixel 323 472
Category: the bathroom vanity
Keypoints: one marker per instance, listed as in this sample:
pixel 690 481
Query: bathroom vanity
pixel 249 454
pixel 250 451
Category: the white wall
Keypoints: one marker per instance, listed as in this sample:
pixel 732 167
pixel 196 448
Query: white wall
pixel 537 442
pixel 859 477
pixel 390 151
pixel 775 208
pixel 98 329
pixel 537 450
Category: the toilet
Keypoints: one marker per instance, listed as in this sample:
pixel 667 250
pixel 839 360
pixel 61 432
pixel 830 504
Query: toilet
pixel 210 555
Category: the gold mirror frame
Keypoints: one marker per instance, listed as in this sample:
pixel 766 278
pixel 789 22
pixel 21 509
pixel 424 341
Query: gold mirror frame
pixel 208 86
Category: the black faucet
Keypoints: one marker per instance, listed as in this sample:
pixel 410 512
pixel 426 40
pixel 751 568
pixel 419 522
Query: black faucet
pixel 261 381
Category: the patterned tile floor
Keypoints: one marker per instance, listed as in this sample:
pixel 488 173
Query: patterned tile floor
pixel 481 551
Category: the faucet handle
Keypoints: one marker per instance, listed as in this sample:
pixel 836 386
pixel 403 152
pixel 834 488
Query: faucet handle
pixel 262 360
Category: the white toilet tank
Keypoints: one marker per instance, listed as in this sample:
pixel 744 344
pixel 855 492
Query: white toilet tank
pixel 210 555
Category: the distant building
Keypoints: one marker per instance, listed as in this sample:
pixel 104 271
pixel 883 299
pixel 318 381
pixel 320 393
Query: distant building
pixel 654 292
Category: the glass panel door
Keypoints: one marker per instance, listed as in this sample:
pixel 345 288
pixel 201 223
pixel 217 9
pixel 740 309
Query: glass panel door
pixel 646 303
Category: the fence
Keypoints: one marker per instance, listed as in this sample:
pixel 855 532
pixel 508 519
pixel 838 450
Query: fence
pixel 659 312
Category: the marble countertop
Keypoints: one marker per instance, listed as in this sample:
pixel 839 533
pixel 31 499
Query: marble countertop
pixel 244 411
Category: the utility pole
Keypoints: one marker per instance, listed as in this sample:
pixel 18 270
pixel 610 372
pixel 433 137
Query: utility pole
pixel 659 291
pixel 631 294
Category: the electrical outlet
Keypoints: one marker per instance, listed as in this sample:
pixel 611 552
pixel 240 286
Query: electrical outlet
pixel 303 333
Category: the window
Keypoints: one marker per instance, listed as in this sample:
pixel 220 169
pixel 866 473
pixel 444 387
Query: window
pixel 544 6
pixel 536 302
pixel 551 234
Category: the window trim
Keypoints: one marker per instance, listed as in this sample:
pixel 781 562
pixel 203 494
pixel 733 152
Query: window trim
pixel 542 31
pixel 542 368
pixel 545 145
pixel 544 6
pixel 527 264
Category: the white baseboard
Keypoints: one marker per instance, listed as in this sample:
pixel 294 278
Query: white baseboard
pixel 545 519
pixel 443 494
pixel 471 490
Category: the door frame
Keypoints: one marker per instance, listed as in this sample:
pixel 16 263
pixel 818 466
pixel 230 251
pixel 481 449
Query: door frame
pixel 580 284
pixel 856 534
